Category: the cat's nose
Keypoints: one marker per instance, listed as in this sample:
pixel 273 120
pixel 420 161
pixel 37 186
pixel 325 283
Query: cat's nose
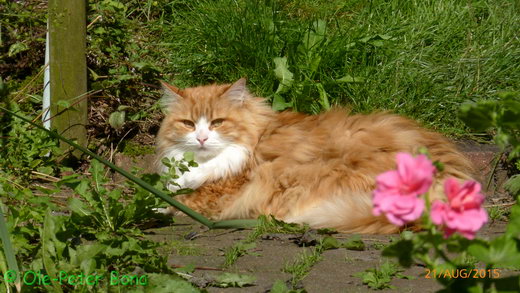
pixel 202 140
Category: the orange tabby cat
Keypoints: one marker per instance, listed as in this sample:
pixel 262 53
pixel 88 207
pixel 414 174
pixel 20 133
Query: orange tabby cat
pixel 318 170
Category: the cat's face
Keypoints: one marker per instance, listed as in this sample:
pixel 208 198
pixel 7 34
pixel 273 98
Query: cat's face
pixel 207 119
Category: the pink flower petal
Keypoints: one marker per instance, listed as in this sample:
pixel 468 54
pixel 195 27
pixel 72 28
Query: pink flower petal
pixel 463 213
pixel 437 212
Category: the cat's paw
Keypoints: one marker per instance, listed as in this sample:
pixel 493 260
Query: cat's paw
pixel 168 211
pixel 193 180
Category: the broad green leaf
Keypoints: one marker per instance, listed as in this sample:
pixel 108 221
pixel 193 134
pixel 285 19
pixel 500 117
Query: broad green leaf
pixel 354 244
pixel 79 207
pixel 502 251
pixel 189 156
pixel 51 246
pixel 279 287
pixel 17 48
pixel 513 227
pixel 402 250
pixel 376 40
pixel 234 280
pixel 315 35
pixel 279 103
pixel 330 243
pixel 117 119
pixel 479 116
pixel 281 71
pixel 513 185
pixel 8 250
pixel 164 283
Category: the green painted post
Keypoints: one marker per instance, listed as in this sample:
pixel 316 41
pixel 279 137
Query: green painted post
pixel 68 69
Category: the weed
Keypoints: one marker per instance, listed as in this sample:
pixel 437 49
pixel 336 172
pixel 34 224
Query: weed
pixel 239 249
pixel 183 248
pixel 379 245
pixel 234 280
pixel 497 213
pixel 380 278
pixel 280 287
pixel 301 267
pixel 268 224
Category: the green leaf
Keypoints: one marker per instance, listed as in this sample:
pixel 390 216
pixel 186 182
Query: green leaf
pixel 79 207
pixel 166 283
pixel 51 246
pixel 330 243
pixel 45 170
pixel 314 36
pixel 513 185
pixel 354 244
pixel 234 280
pixel 95 76
pixel 401 249
pixel 513 227
pixel 324 100
pixel 281 71
pixel 117 119
pixel 122 107
pixel 502 251
pixel 279 287
pixel 479 116
pixel 8 250
pixel 279 103
pixel 188 269
pixel 17 48
pixel 189 156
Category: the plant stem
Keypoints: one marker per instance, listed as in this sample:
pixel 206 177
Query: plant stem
pixel 194 215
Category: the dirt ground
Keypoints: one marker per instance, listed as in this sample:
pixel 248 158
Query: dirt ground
pixel 334 273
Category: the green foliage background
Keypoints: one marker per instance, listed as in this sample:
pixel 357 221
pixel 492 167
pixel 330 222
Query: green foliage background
pixel 417 58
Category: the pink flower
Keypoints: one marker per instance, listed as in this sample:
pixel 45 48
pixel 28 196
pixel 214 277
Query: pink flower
pixel 463 213
pixel 397 191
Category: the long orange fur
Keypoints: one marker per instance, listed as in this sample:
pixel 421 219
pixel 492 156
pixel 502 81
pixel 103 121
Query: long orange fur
pixel 314 169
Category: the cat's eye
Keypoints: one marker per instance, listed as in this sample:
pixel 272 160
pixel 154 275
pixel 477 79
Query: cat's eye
pixel 216 122
pixel 188 124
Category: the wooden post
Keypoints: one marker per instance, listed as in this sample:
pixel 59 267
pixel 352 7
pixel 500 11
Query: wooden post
pixel 68 69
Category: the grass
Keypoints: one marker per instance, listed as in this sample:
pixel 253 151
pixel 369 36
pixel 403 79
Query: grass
pixel 417 58
pixel 239 249
pixel 301 267
pixel 497 213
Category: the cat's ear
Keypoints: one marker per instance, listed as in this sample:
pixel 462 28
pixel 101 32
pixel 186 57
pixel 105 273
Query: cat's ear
pixel 170 95
pixel 237 92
